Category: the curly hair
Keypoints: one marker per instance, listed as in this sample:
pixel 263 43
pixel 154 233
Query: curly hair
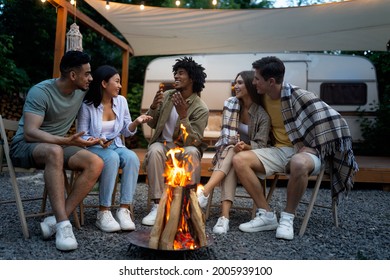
pixel 195 72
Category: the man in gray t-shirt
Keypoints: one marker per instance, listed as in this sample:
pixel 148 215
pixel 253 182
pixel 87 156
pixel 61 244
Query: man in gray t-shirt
pixel 42 142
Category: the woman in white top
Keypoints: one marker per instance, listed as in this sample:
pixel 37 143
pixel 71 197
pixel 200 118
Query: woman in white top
pixel 105 114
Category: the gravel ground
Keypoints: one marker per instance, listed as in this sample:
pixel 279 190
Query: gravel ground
pixel 363 233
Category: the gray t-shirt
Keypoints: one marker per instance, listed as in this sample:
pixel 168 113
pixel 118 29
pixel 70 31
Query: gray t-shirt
pixel 59 110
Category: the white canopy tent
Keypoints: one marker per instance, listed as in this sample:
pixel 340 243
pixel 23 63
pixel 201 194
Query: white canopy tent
pixel 348 25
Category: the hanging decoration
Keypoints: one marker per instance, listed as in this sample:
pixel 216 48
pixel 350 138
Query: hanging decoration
pixel 74 39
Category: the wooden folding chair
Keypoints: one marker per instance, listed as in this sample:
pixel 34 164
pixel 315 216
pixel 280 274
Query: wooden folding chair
pixel 322 176
pixel 11 126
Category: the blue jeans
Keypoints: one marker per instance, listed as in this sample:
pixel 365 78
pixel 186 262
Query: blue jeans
pixel 115 157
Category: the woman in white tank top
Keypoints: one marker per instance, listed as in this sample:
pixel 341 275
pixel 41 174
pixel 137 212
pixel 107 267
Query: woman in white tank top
pixel 105 114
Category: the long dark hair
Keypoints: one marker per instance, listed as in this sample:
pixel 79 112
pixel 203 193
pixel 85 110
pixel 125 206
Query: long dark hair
pixel 248 76
pixel 95 93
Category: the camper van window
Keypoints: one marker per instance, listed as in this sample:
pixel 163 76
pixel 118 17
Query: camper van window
pixel 344 93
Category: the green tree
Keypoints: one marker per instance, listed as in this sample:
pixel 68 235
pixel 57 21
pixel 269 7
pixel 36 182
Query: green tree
pixel 377 132
pixel 32 29
pixel 12 78
pixel 296 3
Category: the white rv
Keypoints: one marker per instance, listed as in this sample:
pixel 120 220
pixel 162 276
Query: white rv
pixel 347 83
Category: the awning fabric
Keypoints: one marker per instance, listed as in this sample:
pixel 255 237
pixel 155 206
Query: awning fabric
pixel 348 25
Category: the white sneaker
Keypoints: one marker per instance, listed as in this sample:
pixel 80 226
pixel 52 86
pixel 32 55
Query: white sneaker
pixel 222 225
pixel 261 222
pixel 150 219
pixel 48 227
pixel 285 229
pixel 202 199
pixel 106 222
pixel 124 219
pixel 65 240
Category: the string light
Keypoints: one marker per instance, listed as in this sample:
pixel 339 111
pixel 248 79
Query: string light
pixel 214 2
pixel 73 2
pixel 142 6
pixel 43 1
pixel 177 3
pixel 107 5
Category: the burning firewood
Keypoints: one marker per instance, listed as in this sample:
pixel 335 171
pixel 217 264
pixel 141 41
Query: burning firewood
pixel 159 223
pixel 180 223
pixel 172 220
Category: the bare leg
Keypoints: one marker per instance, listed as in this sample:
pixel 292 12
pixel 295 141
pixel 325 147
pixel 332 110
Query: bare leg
pixel 51 156
pixel 300 166
pixel 226 205
pixel 90 166
pixel 246 164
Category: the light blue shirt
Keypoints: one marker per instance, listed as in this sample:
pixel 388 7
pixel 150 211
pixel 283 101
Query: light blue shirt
pixel 90 120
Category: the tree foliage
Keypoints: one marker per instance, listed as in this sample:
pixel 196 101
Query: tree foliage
pixel 12 78
pixel 32 34
pixel 377 132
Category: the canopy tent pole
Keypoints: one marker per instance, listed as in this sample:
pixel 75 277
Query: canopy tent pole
pixel 59 48
pixel 63 8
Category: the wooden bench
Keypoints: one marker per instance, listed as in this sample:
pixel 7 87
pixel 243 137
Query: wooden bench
pixel 371 169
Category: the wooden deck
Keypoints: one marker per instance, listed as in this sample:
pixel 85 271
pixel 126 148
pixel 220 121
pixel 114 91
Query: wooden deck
pixel 371 169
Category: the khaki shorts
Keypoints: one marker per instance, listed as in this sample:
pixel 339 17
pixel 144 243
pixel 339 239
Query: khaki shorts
pixel 275 159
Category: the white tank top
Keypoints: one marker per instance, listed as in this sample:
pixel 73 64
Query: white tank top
pixel 107 128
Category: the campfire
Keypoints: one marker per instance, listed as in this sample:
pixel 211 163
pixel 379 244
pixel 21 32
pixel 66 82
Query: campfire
pixel 180 223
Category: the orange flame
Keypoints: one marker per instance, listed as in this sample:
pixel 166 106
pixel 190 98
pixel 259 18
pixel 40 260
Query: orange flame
pixel 177 166
pixel 184 131
pixel 178 174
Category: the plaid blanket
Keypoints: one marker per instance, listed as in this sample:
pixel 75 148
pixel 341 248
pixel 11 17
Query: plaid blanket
pixel 229 133
pixel 311 122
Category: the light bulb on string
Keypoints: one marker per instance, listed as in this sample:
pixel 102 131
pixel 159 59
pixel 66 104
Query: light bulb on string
pixel 73 2
pixel 142 6
pixel 43 1
pixel 177 3
pixel 214 2
pixel 107 5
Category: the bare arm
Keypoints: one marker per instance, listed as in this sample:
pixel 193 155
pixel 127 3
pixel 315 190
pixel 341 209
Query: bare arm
pixel 140 120
pixel 33 133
